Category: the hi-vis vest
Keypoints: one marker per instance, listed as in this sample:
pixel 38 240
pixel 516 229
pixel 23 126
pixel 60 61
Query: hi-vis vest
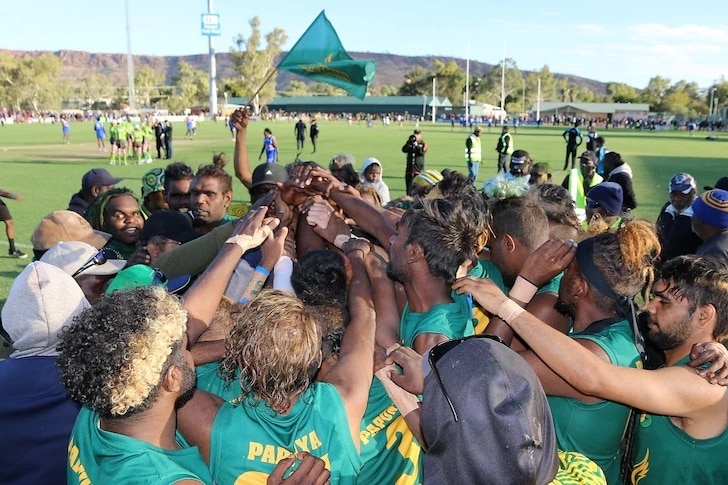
pixel 505 144
pixel 576 189
pixel 476 154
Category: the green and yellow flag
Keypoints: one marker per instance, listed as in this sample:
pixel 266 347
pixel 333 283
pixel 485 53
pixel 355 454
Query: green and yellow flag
pixel 319 55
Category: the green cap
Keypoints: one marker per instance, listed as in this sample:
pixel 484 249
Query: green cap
pixel 142 275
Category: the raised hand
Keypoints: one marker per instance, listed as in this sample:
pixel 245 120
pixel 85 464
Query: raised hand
pixel 483 290
pixel 550 259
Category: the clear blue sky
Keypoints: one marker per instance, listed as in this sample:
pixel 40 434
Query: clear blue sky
pixel 621 41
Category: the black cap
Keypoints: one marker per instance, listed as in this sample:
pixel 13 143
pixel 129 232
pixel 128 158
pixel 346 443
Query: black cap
pixel 97 177
pixel 721 184
pixel 269 173
pixel 170 224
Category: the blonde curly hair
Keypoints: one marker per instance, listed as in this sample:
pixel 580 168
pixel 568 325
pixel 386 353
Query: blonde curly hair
pixel 276 344
pixel 114 356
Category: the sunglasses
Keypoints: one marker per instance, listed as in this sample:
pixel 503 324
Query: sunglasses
pixel 439 350
pixel 159 278
pixel 97 259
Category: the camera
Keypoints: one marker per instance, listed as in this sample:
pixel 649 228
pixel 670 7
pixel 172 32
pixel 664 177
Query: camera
pixel 412 139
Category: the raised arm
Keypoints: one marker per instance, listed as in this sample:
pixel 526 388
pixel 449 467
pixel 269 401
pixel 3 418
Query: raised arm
pixel 202 299
pixel 241 160
pixel 671 391
pixel 352 374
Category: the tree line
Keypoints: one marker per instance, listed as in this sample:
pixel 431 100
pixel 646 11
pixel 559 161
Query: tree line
pixel 32 83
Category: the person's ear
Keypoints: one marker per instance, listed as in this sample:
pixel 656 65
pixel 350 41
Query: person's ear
pixel 509 243
pixel 227 198
pixel 172 381
pixel 95 190
pixel 414 252
pixel 706 315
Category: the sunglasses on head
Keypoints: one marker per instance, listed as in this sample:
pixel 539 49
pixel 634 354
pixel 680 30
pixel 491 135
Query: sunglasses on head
pixel 439 350
pixel 101 257
pixel 159 277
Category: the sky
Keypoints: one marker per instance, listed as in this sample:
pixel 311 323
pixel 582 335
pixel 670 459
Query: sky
pixel 617 41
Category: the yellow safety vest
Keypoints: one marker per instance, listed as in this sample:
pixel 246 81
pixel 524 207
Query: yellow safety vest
pixel 476 154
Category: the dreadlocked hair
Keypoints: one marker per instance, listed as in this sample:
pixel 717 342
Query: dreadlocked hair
pixel 96 212
pixel 626 257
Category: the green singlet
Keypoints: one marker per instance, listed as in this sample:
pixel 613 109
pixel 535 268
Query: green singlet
pixel 96 456
pixel 453 320
pixel 248 439
pixel 390 451
pixel 664 453
pixel 596 429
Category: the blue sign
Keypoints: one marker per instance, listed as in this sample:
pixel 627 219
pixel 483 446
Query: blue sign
pixel 210 24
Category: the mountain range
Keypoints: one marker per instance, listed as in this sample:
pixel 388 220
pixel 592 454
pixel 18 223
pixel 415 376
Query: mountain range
pixel 391 68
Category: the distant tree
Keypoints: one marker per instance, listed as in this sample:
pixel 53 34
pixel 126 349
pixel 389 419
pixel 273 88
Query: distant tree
pixel 191 87
pixel 513 85
pixel 655 92
pixel 384 90
pixel 297 88
pixel 622 93
pixel 147 82
pixel 254 64
pixel 323 89
pixel 415 82
pixel 31 83
pixel 93 88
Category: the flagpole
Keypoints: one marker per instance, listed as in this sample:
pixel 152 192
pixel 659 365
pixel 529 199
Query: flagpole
pixel 503 84
pixel 467 85
pixel 265 81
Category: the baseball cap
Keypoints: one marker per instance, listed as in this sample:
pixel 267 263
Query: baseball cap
pixel 499 402
pixel 607 195
pixel 65 225
pixel 153 181
pixel 170 224
pixel 42 301
pixel 98 176
pixel 143 275
pixel 712 208
pixel 722 184
pixel 682 182
pixel 70 256
pixel 269 173
pixel 590 155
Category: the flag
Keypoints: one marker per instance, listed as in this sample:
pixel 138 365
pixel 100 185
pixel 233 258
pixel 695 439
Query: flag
pixel 319 55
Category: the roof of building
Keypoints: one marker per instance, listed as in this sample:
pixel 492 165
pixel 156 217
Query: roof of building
pixel 593 107
pixel 323 101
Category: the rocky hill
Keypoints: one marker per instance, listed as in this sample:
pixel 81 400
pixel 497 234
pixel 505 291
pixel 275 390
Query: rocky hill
pixel 390 67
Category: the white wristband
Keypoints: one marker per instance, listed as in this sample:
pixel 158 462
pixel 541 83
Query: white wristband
pixel 341 239
pixel 509 310
pixel 243 240
pixel 523 290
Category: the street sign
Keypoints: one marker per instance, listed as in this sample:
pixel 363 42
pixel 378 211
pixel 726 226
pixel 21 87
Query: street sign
pixel 210 24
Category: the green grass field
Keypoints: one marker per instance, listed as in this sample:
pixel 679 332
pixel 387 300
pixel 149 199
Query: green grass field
pixel 36 165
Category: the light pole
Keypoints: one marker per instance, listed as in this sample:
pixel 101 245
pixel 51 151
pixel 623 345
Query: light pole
pixel 523 99
pixel 712 98
pixel 434 96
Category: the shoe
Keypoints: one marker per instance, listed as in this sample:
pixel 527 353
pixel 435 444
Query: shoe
pixel 18 254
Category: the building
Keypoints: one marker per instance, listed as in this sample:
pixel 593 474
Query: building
pixel 413 105
pixel 609 111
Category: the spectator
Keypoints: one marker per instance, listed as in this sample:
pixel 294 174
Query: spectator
pixel 93 183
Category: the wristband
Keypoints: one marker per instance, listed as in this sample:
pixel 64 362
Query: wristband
pixel 242 240
pixel 260 269
pixel 406 402
pixel 341 239
pixel 523 290
pixel 509 310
